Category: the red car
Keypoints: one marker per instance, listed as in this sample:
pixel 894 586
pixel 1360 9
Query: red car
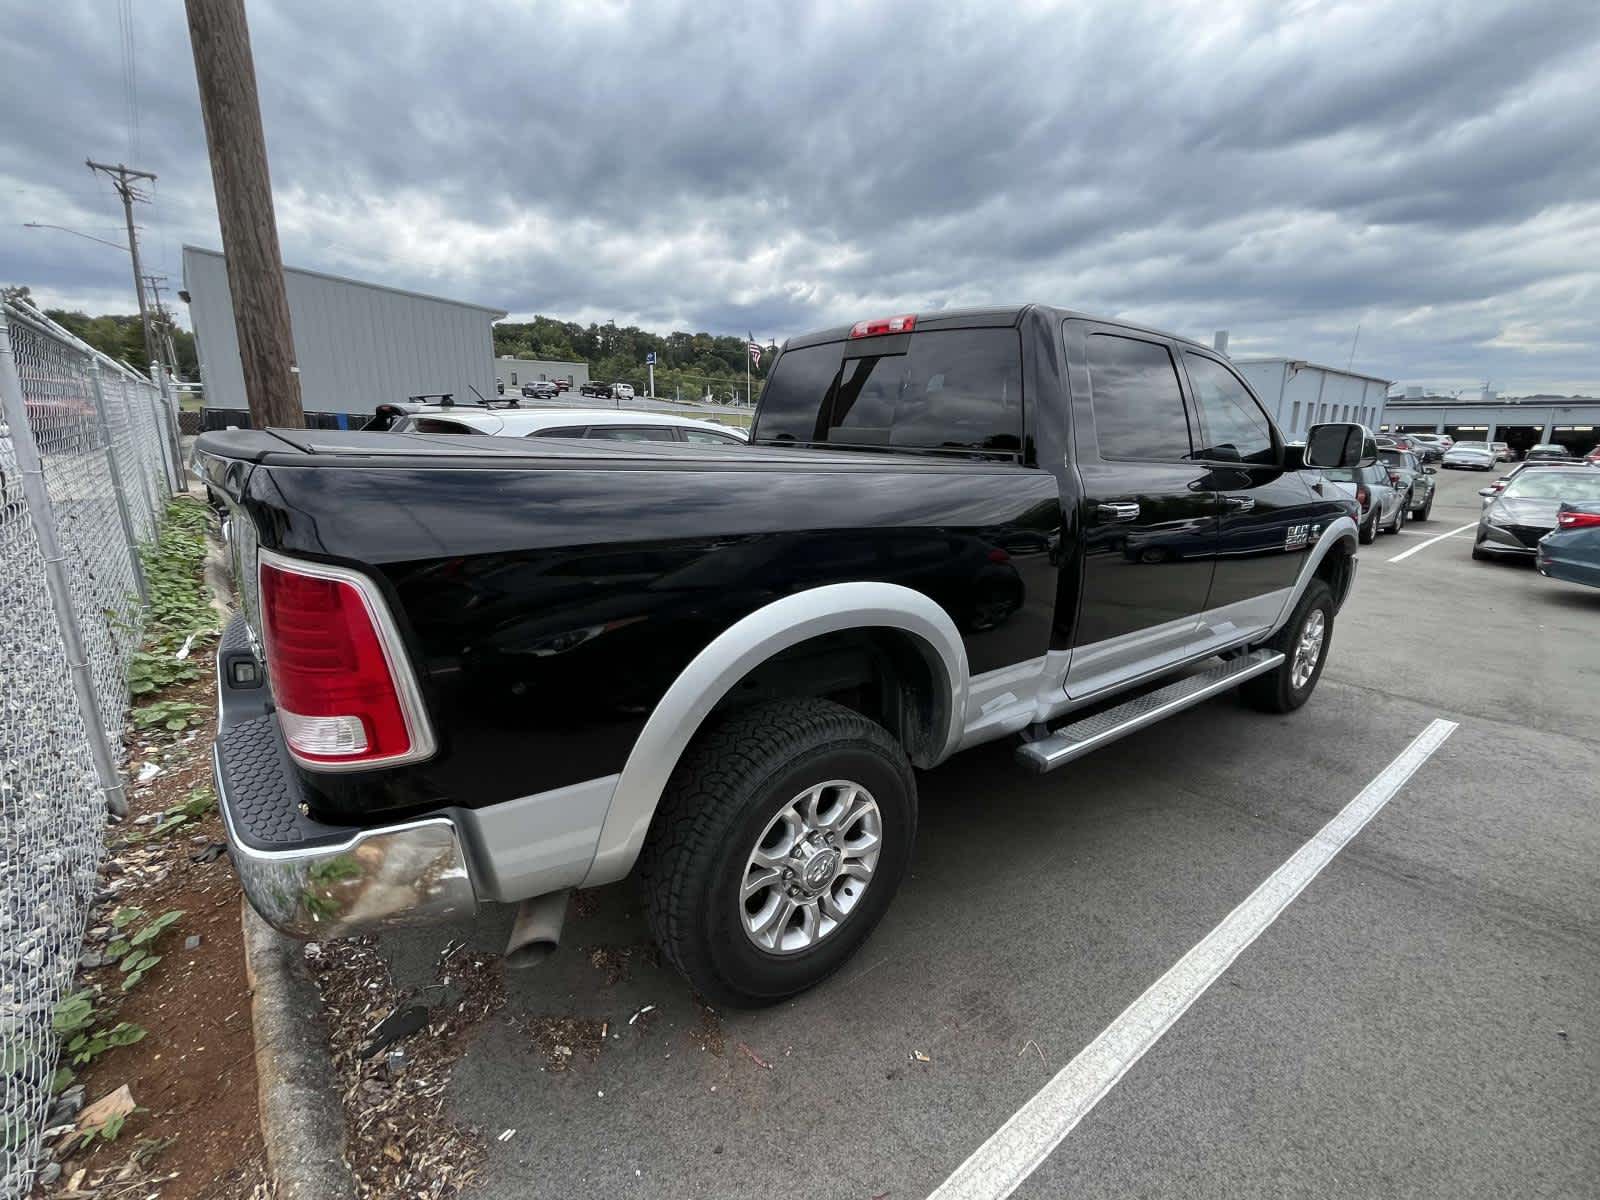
pixel 1593 457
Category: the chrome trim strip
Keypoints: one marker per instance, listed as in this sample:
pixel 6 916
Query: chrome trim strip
pixel 391 877
pixel 423 744
pixel 744 646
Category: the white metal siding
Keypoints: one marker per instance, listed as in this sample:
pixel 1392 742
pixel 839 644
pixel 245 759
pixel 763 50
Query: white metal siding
pixel 357 345
pixel 1303 396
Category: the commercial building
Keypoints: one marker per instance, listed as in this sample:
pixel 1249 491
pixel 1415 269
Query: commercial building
pixel 514 372
pixel 357 344
pixel 1301 394
pixel 1519 421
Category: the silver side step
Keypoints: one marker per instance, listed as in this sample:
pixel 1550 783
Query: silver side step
pixel 1079 738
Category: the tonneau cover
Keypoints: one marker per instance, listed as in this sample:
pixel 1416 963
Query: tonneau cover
pixel 335 447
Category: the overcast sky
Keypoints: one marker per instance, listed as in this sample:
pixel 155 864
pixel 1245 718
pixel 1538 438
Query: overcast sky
pixel 1430 171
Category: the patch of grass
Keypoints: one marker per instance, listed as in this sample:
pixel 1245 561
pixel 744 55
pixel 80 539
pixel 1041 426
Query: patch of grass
pixel 174 571
pixel 174 715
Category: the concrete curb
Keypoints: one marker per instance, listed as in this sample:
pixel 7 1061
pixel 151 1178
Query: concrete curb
pixel 302 1121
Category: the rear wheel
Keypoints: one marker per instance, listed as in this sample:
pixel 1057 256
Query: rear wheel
pixel 782 837
pixel 1304 642
pixel 1427 509
pixel 1368 532
pixel 1399 522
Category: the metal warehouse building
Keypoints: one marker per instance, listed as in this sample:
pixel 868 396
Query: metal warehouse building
pixel 357 344
pixel 514 372
pixel 1302 394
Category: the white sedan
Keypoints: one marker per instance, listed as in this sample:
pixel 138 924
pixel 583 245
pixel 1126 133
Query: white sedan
pixel 1475 456
pixel 604 424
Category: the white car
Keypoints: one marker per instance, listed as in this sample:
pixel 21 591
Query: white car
pixel 622 391
pixel 1474 456
pixel 606 424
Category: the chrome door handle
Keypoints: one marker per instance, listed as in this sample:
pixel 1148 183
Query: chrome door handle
pixel 1240 503
pixel 1118 512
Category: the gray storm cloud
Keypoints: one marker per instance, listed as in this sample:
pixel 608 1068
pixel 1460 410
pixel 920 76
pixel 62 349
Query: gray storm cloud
pixel 1430 171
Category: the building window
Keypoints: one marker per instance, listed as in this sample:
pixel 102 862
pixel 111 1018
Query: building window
pixel 1294 423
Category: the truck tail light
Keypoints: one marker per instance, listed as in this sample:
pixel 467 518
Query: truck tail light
pixel 1394 478
pixel 1579 520
pixel 882 325
pixel 344 691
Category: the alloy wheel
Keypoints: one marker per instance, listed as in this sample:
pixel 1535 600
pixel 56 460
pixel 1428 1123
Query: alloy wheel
pixel 810 867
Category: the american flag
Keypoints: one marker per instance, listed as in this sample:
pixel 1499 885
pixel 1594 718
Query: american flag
pixel 755 351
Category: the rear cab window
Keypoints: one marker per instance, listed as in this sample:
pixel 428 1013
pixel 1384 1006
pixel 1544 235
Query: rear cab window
pixel 954 390
pixel 431 425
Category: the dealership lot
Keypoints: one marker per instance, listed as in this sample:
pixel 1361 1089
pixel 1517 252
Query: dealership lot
pixel 1420 1020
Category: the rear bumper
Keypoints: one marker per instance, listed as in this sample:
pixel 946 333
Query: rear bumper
pixel 1552 566
pixel 306 878
pixel 311 880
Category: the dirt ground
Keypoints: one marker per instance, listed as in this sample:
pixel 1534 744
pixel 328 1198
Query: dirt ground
pixel 196 1131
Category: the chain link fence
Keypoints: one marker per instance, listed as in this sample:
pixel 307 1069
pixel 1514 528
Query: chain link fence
pixel 88 459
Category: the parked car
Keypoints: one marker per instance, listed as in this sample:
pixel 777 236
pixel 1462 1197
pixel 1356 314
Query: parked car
pixel 593 388
pixel 595 424
pixel 1503 452
pixel 1381 504
pixel 1514 520
pixel 1499 485
pixel 1545 451
pixel 1429 447
pixel 1414 481
pixel 540 389
pixel 1475 456
pixel 1571 551
pixel 497 674
pixel 563 385
pixel 622 391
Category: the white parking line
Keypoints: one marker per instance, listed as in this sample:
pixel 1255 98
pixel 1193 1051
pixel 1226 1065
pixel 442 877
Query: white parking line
pixel 1405 554
pixel 1015 1150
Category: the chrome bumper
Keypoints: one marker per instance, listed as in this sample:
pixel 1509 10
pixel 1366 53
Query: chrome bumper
pixel 391 877
pixel 306 878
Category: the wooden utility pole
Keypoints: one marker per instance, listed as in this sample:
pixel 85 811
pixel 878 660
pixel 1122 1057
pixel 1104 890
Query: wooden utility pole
pixel 122 178
pixel 227 76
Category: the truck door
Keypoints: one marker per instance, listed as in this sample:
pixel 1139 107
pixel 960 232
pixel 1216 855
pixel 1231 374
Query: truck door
pixel 1148 513
pixel 1269 516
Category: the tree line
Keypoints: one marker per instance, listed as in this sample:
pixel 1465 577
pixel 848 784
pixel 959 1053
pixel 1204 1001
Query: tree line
pixel 118 336
pixel 690 363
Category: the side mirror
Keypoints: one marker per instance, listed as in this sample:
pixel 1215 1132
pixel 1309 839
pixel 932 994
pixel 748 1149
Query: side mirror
pixel 1487 492
pixel 1431 470
pixel 1338 445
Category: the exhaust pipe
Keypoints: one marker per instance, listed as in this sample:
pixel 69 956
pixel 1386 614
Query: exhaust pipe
pixel 537 930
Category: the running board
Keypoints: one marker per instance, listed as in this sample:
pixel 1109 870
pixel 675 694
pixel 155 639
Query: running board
pixel 1079 738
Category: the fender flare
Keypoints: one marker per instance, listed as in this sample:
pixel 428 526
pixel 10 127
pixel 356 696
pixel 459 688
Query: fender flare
pixel 731 656
pixel 1340 531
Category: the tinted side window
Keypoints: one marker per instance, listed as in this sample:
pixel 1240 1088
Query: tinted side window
pixel 435 425
pixel 568 431
pixel 705 435
pixel 795 401
pixel 1236 430
pixel 631 433
pixel 1137 401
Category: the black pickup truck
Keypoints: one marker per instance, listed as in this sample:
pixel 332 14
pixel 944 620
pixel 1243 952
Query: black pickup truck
pixel 474 670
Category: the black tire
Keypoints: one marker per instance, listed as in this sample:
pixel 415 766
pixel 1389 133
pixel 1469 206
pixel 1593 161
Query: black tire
pixel 723 794
pixel 1275 691
pixel 1427 509
pixel 1368 532
pixel 1399 521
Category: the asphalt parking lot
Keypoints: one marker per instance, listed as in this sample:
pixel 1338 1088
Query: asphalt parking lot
pixel 1420 1020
